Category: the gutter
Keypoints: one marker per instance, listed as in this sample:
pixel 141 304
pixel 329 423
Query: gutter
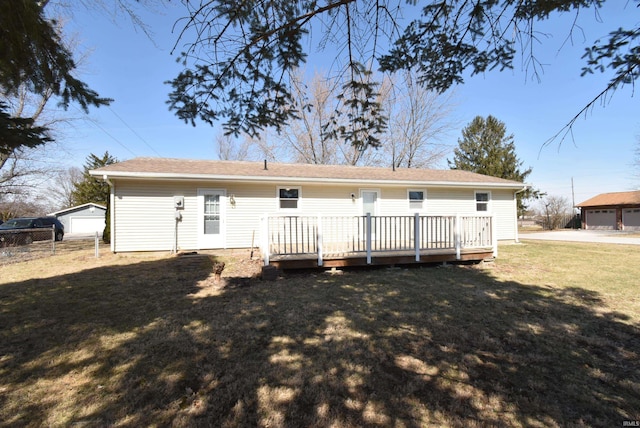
pixel 112 191
pixel 515 201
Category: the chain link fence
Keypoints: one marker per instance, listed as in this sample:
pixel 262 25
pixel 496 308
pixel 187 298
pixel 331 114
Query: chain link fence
pixel 28 244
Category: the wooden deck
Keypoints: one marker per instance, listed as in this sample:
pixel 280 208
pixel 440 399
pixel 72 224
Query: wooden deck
pixel 385 258
pixel 310 242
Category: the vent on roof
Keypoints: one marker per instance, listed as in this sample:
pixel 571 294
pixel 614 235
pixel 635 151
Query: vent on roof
pixel 265 164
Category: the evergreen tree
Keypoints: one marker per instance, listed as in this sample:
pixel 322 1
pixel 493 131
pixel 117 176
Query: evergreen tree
pixel 92 189
pixel 33 56
pixel 485 148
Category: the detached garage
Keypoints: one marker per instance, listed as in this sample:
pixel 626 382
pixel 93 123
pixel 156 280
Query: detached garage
pixel 86 218
pixel 612 211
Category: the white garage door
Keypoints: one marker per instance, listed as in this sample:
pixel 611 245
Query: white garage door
pixel 86 225
pixel 631 218
pixel 601 219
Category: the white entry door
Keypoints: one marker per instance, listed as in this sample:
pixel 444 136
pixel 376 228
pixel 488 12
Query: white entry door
pixel 369 202
pixel 370 206
pixel 211 218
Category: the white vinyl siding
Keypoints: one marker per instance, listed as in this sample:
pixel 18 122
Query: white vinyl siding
pixel 144 211
pixel 503 207
pixel 330 200
pixel 145 216
pixel 445 201
pixel 243 219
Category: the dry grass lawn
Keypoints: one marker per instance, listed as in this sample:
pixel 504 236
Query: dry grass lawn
pixel 548 335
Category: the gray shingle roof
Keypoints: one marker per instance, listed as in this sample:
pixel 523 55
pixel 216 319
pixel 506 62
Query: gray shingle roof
pixel 255 171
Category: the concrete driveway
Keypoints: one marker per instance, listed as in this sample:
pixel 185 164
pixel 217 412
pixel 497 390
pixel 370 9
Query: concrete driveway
pixel 597 236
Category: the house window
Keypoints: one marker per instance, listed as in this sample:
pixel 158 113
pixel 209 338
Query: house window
pixel 416 200
pixel 288 198
pixel 482 201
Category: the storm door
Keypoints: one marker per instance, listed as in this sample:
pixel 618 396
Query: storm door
pixel 211 218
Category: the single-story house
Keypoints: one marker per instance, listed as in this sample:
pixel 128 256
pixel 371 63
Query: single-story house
pixel 85 218
pixel 176 204
pixel 612 211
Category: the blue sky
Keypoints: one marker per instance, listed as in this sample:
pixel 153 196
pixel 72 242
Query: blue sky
pixel 124 64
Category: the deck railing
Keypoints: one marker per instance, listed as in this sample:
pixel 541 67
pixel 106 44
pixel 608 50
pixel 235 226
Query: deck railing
pixel 339 236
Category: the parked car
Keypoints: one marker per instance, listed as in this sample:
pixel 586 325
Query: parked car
pixel 14 231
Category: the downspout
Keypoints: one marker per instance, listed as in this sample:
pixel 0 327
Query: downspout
pixel 515 201
pixel 112 200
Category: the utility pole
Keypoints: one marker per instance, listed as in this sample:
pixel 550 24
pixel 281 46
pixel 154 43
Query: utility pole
pixel 573 204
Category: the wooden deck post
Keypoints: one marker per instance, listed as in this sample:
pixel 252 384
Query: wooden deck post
pixel 319 239
pixel 368 238
pixel 416 235
pixel 265 239
pixel 457 228
pixel 494 236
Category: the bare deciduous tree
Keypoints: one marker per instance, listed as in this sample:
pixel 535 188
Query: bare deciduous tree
pixel 306 136
pixel 12 207
pixel 419 121
pixel 556 212
pixel 23 168
pixel 62 186
pixel 231 149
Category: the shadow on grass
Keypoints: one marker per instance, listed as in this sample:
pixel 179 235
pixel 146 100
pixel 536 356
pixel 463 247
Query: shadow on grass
pixel 155 343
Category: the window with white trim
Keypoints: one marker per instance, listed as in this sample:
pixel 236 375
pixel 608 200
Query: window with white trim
pixel 288 198
pixel 416 199
pixel 482 201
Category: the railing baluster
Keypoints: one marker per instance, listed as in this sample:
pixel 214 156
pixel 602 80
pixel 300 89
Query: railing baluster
pixel 291 235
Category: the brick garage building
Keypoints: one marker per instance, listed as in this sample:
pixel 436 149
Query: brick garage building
pixel 612 211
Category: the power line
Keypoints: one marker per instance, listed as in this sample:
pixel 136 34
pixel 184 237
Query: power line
pixel 114 139
pixel 95 123
pixel 134 132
